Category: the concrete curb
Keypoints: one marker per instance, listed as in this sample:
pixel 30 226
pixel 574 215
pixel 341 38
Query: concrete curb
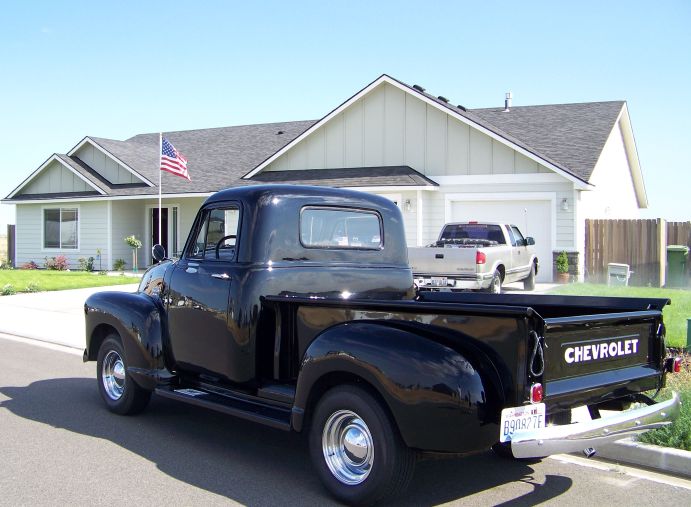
pixel 628 451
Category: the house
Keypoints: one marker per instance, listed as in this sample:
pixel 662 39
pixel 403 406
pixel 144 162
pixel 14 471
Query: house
pixel 544 168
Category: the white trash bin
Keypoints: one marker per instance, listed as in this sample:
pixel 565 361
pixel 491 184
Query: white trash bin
pixel 618 274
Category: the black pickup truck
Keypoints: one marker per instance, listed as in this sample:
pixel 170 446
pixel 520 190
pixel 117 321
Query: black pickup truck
pixel 295 307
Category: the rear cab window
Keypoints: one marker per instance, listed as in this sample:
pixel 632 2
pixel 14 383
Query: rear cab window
pixel 340 228
pixel 487 232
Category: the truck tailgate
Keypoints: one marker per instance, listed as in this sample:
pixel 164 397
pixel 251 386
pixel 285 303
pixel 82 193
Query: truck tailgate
pixel 591 358
pixel 442 261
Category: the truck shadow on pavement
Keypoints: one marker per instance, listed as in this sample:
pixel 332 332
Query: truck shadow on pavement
pixel 249 463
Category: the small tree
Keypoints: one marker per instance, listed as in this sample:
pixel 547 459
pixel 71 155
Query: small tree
pixel 562 263
pixel 135 244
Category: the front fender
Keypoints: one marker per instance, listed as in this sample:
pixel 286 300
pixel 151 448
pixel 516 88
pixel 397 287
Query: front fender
pixel 435 395
pixel 138 319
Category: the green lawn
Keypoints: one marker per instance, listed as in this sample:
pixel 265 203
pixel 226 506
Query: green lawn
pixel 675 315
pixel 24 280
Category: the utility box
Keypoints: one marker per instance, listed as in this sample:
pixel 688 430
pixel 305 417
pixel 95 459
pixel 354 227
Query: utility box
pixel 677 256
pixel 618 274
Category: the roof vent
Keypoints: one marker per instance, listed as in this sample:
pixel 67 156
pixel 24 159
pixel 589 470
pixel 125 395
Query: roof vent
pixel 507 102
pixel 280 132
pixel 419 88
pixel 462 108
pixel 443 99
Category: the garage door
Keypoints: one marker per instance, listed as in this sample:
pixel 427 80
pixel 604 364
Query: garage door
pixel 533 218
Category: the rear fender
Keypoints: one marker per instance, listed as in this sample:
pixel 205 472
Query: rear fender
pixel 137 319
pixel 436 396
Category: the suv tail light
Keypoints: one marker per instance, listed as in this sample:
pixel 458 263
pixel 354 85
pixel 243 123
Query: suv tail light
pixel 480 257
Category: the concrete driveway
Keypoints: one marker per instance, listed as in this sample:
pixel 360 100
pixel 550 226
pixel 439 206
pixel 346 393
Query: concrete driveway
pixel 55 317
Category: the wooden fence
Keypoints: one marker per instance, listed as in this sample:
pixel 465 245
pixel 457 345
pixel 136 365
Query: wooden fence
pixel 642 244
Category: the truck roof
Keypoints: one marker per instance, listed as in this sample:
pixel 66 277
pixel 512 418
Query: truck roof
pixel 270 224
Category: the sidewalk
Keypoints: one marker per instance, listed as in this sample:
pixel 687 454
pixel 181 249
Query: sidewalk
pixel 54 317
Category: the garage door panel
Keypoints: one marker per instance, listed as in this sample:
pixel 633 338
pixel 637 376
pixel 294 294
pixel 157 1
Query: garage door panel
pixel 533 218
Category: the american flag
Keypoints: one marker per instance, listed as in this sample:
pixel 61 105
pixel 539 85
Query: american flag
pixel 172 160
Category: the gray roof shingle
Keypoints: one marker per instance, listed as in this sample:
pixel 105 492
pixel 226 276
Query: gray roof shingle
pixel 403 176
pixel 571 134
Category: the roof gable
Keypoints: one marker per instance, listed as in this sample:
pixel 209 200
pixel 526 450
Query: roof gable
pixel 58 175
pixel 457 112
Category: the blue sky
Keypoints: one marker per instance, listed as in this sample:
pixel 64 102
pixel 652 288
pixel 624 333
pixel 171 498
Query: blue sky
pixel 116 69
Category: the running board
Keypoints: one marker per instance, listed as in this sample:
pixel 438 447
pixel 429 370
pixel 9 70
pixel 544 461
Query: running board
pixel 268 415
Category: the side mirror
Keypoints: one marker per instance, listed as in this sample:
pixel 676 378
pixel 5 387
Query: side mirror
pixel 158 253
pixel 529 241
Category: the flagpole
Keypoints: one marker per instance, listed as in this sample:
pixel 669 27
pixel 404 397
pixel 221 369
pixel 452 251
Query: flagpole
pixel 160 148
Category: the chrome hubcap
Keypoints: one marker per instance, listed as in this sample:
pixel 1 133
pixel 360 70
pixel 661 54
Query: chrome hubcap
pixel 113 375
pixel 348 447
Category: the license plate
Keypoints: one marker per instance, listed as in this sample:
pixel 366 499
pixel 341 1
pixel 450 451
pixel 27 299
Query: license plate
pixel 438 281
pixel 527 417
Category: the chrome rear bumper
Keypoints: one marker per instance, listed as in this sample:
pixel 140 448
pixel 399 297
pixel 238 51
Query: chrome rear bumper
pixel 592 434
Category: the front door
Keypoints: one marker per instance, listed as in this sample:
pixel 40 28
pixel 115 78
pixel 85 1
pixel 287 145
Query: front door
pixel 202 337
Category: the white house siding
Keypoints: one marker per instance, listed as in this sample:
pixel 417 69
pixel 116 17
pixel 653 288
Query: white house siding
pixel 106 166
pixel 613 195
pixel 55 178
pixel 133 217
pixel 389 127
pixel 127 218
pixel 93 222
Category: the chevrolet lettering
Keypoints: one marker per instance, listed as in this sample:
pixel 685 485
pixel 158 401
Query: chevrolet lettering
pixel 603 350
pixel 295 307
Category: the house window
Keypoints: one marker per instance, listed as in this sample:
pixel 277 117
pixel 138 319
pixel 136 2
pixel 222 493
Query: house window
pixel 60 228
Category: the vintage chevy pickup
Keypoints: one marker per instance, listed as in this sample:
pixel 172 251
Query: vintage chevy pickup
pixel 477 256
pixel 295 307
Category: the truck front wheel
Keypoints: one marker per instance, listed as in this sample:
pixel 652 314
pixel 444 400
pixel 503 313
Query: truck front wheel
pixel 120 393
pixel 357 451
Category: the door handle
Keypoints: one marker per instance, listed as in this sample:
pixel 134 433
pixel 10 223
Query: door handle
pixel 221 276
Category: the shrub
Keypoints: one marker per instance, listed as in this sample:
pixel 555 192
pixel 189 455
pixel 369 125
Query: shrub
pixel 86 264
pixel 562 263
pixel 5 265
pixel 29 265
pixel 57 263
pixel 32 287
pixel 8 290
pixel 133 242
pixel 119 265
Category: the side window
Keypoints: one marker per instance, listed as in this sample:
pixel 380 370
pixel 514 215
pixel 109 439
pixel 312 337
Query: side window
pixel 519 241
pixel 340 228
pixel 217 235
pixel 512 238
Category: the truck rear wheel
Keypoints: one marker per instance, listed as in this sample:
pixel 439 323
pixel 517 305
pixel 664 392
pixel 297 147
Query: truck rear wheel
pixel 120 393
pixel 495 284
pixel 356 449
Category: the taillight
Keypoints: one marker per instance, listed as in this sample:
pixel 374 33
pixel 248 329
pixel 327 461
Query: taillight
pixel 677 365
pixel 536 393
pixel 673 364
pixel 480 257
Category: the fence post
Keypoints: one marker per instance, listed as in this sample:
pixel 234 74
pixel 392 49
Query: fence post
pixel 662 245
pixel 11 245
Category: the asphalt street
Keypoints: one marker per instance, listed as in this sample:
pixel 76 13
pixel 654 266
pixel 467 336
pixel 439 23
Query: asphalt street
pixel 60 446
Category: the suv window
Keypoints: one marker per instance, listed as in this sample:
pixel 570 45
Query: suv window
pixel 340 228
pixel 519 240
pixel 217 235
